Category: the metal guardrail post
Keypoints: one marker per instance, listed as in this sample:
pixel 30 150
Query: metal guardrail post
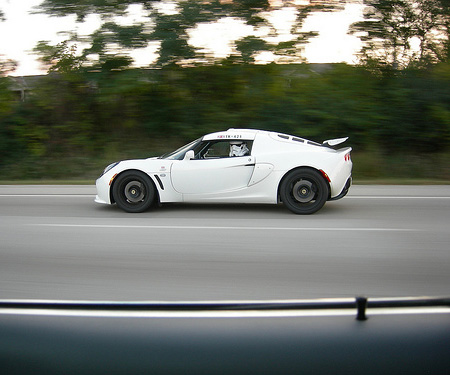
pixel 361 305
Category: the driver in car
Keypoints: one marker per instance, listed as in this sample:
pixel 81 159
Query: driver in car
pixel 238 148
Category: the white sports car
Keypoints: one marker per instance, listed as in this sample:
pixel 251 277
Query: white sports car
pixel 233 166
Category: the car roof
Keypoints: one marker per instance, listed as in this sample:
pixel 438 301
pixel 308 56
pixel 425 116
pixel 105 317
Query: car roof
pixel 250 134
pixel 244 134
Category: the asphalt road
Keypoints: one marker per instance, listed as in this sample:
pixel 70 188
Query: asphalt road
pixel 380 241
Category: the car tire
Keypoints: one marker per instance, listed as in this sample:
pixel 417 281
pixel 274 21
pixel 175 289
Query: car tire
pixel 304 191
pixel 133 191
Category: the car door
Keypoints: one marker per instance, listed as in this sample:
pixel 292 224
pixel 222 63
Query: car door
pixel 212 172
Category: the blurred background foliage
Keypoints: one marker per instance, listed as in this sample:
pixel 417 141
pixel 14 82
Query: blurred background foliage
pixel 87 113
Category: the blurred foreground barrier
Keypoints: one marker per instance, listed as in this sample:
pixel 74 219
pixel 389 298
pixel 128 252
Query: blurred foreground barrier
pixel 389 336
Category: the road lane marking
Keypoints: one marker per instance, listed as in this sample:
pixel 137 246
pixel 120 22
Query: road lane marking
pixel 47 195
pixel 203 227
pixel 347 197
pixel 390 197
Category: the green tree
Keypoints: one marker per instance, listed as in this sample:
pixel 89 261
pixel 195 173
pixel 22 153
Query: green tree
pixel 398 33
pixel 169 29
pixel 8 144
pixel 82 9
pixel 7 66
pixel 61 58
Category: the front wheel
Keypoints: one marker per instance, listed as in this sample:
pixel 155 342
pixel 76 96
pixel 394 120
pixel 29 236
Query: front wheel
pixel 133 191
pixel 304 191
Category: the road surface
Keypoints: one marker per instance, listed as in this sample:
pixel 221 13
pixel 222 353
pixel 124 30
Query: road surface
pixel 380 241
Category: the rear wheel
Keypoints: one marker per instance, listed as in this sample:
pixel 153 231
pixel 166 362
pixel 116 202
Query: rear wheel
pixel 304 191
pixel 133 191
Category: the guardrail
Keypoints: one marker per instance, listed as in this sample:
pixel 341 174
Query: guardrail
pixel 359 304
pixel 402 336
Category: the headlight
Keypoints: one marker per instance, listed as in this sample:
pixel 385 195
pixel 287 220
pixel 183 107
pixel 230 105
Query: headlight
pixel 109 167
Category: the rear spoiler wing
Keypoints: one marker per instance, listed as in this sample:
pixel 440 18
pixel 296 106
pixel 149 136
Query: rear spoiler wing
pixel 334 142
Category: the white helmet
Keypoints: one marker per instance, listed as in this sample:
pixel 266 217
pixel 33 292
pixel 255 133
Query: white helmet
pixel 238 148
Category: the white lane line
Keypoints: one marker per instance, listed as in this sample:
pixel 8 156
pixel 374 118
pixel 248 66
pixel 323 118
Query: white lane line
pixel 93 196
pixel 201 227
pixel 390 197
pixel 47 195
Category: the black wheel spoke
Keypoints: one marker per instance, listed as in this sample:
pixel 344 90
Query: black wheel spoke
pixel 134 192
pixel 304 191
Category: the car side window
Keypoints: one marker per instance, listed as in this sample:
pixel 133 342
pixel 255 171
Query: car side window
pixel 218 150
pixel 226 149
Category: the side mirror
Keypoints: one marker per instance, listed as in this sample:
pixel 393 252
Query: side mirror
pixel 189 155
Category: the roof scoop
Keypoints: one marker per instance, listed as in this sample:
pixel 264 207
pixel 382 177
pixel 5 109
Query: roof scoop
pixel 334 142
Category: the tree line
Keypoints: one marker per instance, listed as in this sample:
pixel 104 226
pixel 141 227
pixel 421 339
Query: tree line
pixel 394 33
pixel 148 111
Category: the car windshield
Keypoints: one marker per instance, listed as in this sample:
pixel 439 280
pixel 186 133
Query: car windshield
pixel 179 153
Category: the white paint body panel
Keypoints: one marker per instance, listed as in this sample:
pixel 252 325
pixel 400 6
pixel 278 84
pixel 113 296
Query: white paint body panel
pixel 212 176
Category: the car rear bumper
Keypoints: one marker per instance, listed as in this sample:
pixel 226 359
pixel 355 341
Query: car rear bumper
pixel 344 191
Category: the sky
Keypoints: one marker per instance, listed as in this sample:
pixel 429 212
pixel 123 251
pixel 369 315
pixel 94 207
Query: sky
pixel 21 31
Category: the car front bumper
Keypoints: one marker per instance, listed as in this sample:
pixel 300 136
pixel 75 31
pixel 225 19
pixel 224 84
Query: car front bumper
pixel 102 191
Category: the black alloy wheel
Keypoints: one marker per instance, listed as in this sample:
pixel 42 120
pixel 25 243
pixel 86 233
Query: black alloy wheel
pixel 304 191
pixel 133 191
